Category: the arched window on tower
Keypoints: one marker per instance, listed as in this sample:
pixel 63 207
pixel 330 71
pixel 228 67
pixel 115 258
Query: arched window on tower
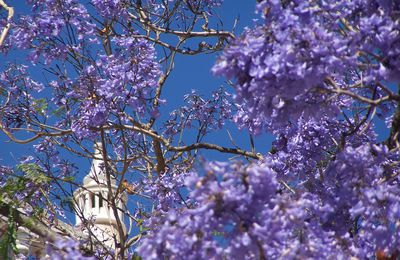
pixel 100 200
pixel 93 200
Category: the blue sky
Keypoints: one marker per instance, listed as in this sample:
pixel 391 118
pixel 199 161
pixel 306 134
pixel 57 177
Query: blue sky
pixel 190 72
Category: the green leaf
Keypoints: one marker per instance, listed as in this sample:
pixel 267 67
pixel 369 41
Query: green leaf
pixel 40 105
pixel 69 178
pixel 67 202
pixel 136 257
pixel 13 185
pixel 9 240
pixel 58 111
pixel 3 92
pixel 4 246
pixel 34 173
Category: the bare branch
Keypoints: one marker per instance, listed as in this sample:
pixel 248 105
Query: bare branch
pixel 9 17
pixel 209 146
pixel 33 225
pixel 185 34
pixel 336 89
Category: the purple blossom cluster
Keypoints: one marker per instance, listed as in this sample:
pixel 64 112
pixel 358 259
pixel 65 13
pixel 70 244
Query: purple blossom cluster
pixel 313 73
pixel 307 146
pixel 21 189
pixel 111 8
pixel 362 198
pixel 30 185
pixel 42 32
pixel 281 66
pixel 239 213
pixel 168 190
pixel 17 101
pixel 121 78
pixel 244 211
pixel 106 88
pixel 326 190
pixel 66 248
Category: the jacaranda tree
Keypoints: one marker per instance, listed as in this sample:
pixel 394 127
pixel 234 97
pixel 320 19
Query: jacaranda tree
pixel 317 74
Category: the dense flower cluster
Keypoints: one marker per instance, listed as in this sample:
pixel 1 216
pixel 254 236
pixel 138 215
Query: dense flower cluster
pixel 308 145
pixel 281 66
pixel 326 189
pixel 167 190
pixel 57 32
pixel 238 214
pixel 113 82
pixel 242 210
pixel 316 74
pixel 361 197
pixel 51 19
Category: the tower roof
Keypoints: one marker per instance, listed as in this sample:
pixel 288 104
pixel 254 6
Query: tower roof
pixel 97 173
pixel 93 198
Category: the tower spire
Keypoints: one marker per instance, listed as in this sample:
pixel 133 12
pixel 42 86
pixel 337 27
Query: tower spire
pixel 92 201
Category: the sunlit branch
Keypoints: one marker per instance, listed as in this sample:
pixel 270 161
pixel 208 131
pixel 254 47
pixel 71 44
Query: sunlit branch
pixel 30 223
pixel 143 19
pixel 336 89
pixel 8 25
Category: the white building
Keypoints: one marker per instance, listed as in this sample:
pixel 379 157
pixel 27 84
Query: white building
pixel 92 203
pixel 95 218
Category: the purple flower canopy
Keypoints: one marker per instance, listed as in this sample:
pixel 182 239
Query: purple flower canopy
pixel 322 192
pixel 316 74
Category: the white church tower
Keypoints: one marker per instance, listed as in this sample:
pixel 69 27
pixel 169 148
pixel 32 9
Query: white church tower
pixel 92 203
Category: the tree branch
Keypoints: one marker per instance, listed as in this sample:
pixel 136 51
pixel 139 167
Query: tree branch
pixel 9 17
pixel 30 223
pixel 209 146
